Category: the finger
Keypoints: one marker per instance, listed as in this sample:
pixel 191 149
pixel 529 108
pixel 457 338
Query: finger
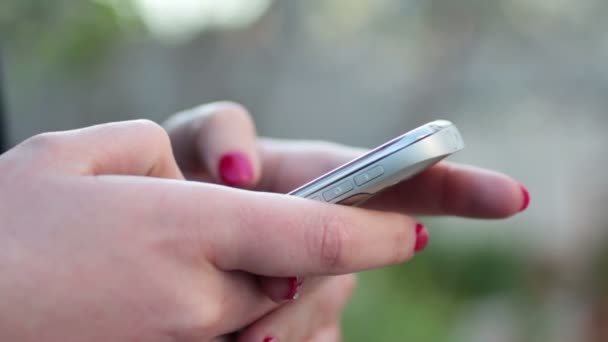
pixel 242 301
pixel 329 334
pixel 280 236
pixel 221 339
pixel 305 318
pixel 445 189
pixel 281 289
pixel 139 147
pixel 449 189
pixel 216 142
pixel 270 234
pixel 289 164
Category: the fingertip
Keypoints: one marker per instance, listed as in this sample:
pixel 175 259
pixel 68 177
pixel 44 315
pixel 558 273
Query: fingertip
pixel 270 339
pixel 490 195
pixel 294 284
pixel 508 203
pixel 525 198
pixel 280 289
pixel 260 331
pixel 422 238
pixel 235 169
pixel 227 144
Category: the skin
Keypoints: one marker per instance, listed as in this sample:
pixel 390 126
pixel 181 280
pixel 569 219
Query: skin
pixel 103 239
pixel 202 135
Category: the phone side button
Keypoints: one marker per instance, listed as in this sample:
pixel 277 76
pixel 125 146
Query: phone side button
pixel 369 175
pixel 338 190
pixel 315 198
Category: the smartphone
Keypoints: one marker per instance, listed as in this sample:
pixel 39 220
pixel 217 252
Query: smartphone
pixel 399 159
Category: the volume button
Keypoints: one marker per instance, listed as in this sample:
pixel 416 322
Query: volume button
pixel 369 175
pixel 338 190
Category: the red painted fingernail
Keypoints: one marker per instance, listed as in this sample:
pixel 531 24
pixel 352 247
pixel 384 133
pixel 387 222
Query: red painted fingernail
pixel 422 238
pixel 295 283
pixel 526 195
pixel 235 169
pixel 270 339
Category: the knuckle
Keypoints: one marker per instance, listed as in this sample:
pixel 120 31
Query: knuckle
pixel 42 150
pixel 403 238
pixel 199 322
pixel 46 142
pixel 151 131
pixel 148 127
pixel 198 318
pixel 330 241
pixel 213 315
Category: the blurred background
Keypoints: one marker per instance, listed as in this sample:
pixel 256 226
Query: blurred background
pixel 525 80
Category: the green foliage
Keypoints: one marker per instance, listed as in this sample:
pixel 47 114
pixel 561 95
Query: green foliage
pixel 422 300
pixel 65 34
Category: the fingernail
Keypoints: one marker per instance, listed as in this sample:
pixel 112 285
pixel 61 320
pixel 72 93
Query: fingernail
pixel 235 169
pixel 526 196
pixel 270 339
pixel 295 283
pixel 422 238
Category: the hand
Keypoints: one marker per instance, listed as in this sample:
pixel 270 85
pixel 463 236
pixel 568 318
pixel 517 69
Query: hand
pixel 314 317
pixel 217 143
pixel 103 240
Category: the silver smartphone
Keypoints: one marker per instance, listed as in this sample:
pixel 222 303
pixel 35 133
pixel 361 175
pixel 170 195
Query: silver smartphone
pixel 397 160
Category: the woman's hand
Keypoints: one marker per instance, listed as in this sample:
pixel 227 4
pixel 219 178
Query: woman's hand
pixel 217 143
pixel 103 240
pixel 314 317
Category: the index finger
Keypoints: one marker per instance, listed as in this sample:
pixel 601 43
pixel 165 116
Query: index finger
pixel 445 189
pixel 270 234
pixel 282 236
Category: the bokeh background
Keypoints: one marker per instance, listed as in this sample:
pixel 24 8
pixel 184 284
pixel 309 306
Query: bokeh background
pixel 525 80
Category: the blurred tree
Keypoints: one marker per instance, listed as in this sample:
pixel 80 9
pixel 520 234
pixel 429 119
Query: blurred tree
pixel 63 33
